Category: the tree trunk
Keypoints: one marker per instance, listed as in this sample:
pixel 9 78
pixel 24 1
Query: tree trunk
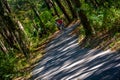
pixel 85 22
pixel 3 48
pixel 63 10
pixel 83 17
pixel 7 6
pixel 37 15
pixel 43 31
pixel 21 27
pixel 50 4
pixel 71 9
pixel 55 10
pixel 10 32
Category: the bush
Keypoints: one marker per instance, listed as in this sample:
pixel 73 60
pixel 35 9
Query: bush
pixel 7 70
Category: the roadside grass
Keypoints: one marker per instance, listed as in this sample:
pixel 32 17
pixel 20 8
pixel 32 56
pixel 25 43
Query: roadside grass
pixel 24 66
pixel 101 40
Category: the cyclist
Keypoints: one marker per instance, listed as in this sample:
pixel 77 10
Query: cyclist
pixel 60 24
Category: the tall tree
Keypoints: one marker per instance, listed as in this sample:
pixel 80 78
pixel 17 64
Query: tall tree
pixel 63 10
pixel 3 47
pixel 55 10
pixel 50 4
pixel 71 8
pixel 83 17
pixel 33 7
pixel 11 31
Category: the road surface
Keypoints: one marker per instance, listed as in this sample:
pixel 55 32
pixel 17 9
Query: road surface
pixel 65 60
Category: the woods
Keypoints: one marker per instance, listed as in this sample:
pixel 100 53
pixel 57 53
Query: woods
pixel 24 24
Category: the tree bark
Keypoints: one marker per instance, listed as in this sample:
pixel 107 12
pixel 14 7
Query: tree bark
pixel 83 17
pixel 43 28
pixel 37 14
pixel 10 32
pixel 50 4
pixel 3 47
pixel 55 10
pixel 63 10
pixel 71 9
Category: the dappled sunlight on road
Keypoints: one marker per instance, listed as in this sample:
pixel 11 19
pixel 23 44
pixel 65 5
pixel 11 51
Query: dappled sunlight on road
pixel 65 60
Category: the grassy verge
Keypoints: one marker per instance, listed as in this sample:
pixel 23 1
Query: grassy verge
pixel 101 40
pixel 24 66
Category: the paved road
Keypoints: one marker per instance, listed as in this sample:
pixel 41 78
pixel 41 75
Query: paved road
pixel 65 60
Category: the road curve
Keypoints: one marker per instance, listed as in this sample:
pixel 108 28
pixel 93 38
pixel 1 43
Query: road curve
pixel 65 60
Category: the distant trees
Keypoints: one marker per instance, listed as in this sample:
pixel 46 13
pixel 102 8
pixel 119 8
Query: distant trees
pixel 75 8
pixel 13 32
pixel 36 12
pixel 104 8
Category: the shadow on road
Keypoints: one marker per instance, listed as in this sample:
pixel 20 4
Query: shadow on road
pixel 65 60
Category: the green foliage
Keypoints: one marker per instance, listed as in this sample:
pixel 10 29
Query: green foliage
pixel 49 21
pixel 102 17
pixel 7 66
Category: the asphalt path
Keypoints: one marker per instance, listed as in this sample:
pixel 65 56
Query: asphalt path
pixel 65 60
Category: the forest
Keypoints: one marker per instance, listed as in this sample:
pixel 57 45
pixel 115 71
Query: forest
pixel 26 26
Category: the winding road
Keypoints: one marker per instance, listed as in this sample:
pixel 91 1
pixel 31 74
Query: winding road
pixel 65 60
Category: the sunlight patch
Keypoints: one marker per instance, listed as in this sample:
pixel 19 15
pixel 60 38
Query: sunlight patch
pixel 118 65
pixel 100 54
pixel 76 63
pixel 38 70
pixel 70 46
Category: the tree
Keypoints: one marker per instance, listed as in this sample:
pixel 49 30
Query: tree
pixel 83 17
pixel 43 28
pixel 11 31
pixel 74 15
pixel 3 47
pixel 50 4
pixel 108 9
pixel 63 9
